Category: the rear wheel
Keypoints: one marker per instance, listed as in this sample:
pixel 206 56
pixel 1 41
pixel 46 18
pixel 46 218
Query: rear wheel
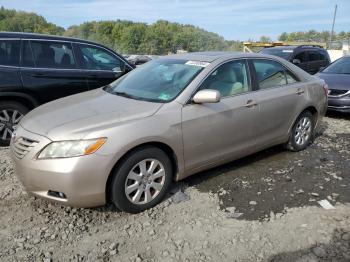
pixel 11 113
pixel 302 133
pixel 141 180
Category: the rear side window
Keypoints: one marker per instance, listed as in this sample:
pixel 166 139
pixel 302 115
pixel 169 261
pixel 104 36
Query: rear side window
pixel 95 58
pixel 272 74
pixel 49 54
pixel 9 52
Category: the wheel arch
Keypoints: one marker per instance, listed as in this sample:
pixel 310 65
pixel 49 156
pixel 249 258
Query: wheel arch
pixel 312 109
pixel 24 99
pixel 163 146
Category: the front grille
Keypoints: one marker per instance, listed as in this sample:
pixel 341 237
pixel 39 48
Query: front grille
pixel 22 146
pixel 335 92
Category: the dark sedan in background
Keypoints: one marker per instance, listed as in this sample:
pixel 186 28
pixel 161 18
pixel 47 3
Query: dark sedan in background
pixel 337 76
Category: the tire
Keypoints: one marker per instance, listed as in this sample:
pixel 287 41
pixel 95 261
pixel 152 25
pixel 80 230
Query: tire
pixel 302 133
pixel 133 193
pixel 11 112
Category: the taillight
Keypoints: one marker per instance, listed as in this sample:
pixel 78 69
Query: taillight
pixel 325 88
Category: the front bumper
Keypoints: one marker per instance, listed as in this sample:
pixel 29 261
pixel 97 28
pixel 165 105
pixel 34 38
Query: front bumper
pixel 340 104
pixel 80 181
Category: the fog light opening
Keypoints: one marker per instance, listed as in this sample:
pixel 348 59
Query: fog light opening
pixel 56 194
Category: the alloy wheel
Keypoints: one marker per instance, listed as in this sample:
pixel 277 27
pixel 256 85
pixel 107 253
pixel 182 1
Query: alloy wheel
pixel 145 181
pixel 303 131
pixel 9 119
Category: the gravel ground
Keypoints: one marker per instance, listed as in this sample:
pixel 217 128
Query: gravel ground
pixel 261 208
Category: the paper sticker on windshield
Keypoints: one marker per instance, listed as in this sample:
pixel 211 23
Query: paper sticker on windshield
pixel 197 63
pixel 287 51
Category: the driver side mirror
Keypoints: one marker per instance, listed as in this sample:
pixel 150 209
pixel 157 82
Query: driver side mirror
pixel 207 96
pixel 296 61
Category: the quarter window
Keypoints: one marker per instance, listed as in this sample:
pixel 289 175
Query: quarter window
pixel 49 54
pixel 9 52
pixel 272 74
pixel 229 79
pixel 98 59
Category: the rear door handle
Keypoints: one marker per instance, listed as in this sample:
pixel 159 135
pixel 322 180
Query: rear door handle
pixel 251 103
pixel 300 91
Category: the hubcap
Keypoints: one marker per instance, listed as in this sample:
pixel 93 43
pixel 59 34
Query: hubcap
pixel 9 119
pixel 145 181
pixel 303 131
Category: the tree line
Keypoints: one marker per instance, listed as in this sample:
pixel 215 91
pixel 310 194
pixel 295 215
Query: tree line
pixel 314 36
pixel 161 37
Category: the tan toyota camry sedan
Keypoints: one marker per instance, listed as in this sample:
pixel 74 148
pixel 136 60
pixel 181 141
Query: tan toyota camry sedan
pixel 166 120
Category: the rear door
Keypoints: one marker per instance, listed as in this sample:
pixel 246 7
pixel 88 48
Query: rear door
pixel 100 65
pixel 49 70
pixel 280 97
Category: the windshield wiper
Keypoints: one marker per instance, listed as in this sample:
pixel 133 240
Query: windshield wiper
pixel 118 93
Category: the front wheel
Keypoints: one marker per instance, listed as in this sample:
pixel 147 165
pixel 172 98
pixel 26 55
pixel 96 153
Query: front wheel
pixel 302 133
pixel 11 113
pixel 141 180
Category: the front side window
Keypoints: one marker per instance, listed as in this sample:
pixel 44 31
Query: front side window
pixel 159 80
pixel 9 52
pixel 301 56
pixel 95 58
pixel 50 54
pixel 229 79
pixel 272 74
pixel 314 56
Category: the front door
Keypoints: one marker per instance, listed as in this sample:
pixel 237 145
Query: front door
pixel 49 70
pixel 100 65
pixel 218 132
pixel 303 59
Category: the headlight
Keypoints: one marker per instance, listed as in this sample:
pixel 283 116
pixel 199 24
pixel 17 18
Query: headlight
pixel 63 149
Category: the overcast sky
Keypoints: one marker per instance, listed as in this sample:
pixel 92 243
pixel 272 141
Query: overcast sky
pixel 233 19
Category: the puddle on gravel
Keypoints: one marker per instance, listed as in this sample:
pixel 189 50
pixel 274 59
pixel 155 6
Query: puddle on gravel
pixel 275 179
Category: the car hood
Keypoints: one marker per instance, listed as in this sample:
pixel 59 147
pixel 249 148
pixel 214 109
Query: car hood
pixel 76 116
pixel 336 81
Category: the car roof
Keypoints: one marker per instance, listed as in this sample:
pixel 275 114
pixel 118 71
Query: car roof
pixel 212 56
pixel 42 36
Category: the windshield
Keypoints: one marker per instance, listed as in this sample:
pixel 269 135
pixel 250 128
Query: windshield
pixel 341 66
pixel 159 80
pixel 284 53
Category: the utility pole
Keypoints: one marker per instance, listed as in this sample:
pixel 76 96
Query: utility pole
pixel 332 32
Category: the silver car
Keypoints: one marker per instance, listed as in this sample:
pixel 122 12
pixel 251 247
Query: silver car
pixel 166 120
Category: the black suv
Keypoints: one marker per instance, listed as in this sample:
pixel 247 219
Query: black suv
pixel 35 69
pixel 310 58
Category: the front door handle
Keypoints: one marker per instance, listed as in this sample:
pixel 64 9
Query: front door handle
pixel 300 91
pixel 251 103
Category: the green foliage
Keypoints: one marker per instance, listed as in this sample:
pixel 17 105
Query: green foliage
pixel 313 36
pixel 123 36
pixel 11 20
pixel 265 39
pixel 161 37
